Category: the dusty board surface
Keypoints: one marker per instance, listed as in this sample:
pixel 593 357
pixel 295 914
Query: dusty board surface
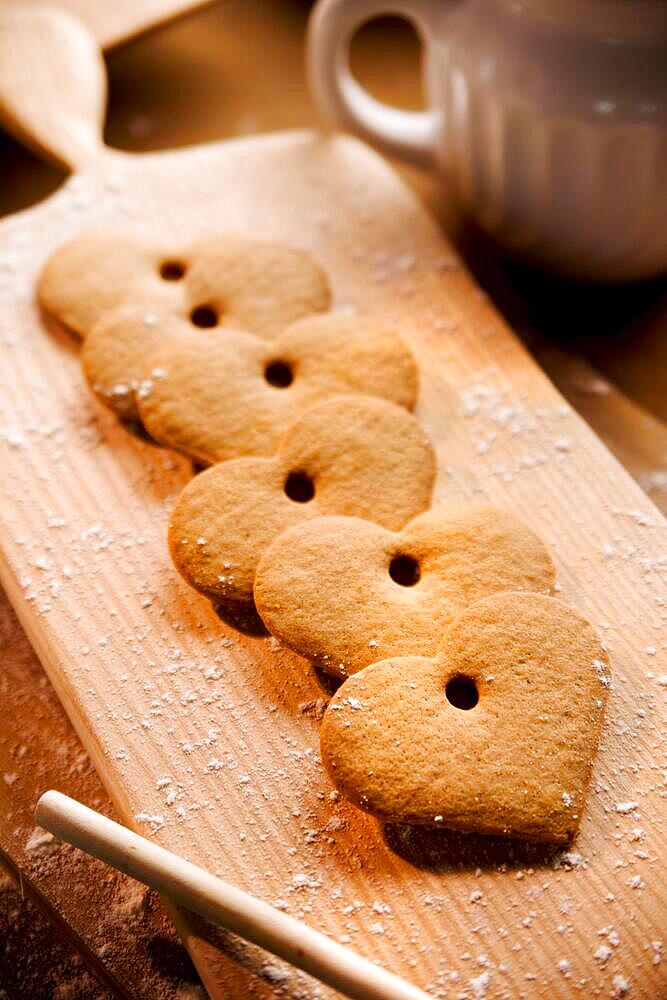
pixel 159 689
pixel 117 925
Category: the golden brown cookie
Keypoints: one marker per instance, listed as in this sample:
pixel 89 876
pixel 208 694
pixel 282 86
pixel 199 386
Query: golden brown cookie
pixel 345 592
pixel 92 274
pixel 255 285
pixel 116 352
pixel 496 734
pixel 232 394
pixel 230 280
pixel 352 455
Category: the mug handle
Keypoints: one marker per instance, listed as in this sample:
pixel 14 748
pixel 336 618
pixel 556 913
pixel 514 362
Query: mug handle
pixel 410 135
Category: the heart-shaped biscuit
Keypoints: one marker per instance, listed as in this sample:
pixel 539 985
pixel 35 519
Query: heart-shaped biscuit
pixel 228 393
pixel 230 280
pixel 496 735
pixel 345 592
pixel 352 455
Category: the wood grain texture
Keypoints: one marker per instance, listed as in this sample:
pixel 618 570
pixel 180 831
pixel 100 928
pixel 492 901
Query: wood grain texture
pixel 159 689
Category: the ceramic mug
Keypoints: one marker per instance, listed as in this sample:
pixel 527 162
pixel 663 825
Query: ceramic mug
pixel 548 119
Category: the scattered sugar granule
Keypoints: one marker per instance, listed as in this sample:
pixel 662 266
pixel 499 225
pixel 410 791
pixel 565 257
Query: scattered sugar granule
pixel 602 954
pixel 567 800
pixel 601 668
pixel 562 443
pixel 621 987
pixel 275 975
pixel 354 703
pixel 480 984
pixel 41 842
pixel 378 907
pixel 154 821
pixel 476 895
pixel 626 807
pixel 304 882
pixel 570 859
pixel 143 388
pixel 13 438
pixel 639 517
pixel 565 967
pixel 611 935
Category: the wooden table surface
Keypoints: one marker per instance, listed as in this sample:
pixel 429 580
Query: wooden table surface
pixel 236 68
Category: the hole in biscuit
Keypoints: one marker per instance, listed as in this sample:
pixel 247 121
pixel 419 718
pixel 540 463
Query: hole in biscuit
pixel 299 487
pixel 278 374
pixel 404 570
pixel 172 270
pixel 461 692
pixel 204 316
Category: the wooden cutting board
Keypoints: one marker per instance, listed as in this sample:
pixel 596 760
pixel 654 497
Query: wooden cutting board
pixel 116 22
pixel 159 689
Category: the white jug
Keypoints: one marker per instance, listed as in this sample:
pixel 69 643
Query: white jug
pixel 548 119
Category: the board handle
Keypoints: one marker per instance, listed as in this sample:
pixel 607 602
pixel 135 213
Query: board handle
pixel 53 84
